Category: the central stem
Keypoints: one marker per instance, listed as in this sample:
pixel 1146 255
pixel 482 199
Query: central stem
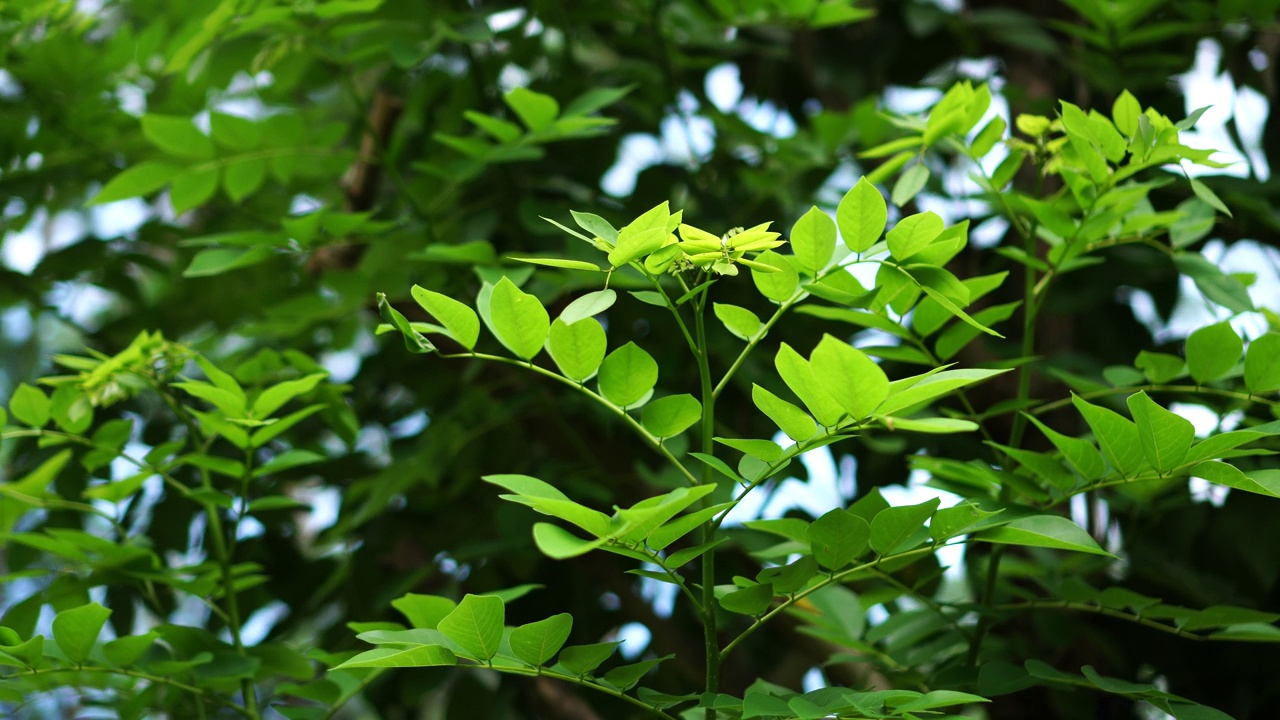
pixel 712 649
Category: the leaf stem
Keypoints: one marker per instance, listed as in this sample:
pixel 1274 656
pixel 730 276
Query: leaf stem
pixel 710 528
pixel 198 692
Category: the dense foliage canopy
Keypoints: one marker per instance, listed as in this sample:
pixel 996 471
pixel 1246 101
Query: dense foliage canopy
pixel 376 358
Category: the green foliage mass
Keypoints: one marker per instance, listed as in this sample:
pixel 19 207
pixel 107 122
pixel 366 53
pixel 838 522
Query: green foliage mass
pixel 397 403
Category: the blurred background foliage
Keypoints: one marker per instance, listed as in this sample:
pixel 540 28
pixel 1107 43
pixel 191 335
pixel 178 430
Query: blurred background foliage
pixel 367 145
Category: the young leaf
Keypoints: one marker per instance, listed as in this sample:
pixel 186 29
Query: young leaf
pixel 738 320
pixel 912 234
pixel 519 320
pixel 669 416
pixel 862 215
pixel 274 397
pixel 931 387
pixel 577 349
pixel 854 380
pixel 893 527
pixel 589 305
pixel 790 419
pixel 1048 531
pixel 193 189
pixel 1212 351
pixel 813 240
pixel 475 625
pixel 77 629
pixel 751 600
pixel 838 538
pixel 177 136
pixel 627 375
pixel 777 286
pixel 1165 436
pixel 461 321
pixel 1262 364
pixel 243 178
pixel 1159 368
pixel 538 642
pixel 766 450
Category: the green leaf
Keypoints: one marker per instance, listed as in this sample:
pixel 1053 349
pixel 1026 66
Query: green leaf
pixel 141 179
pixel 669 416
pixel 424 611
pixel 954 309
pixel 125 651
pixel 475 625
pixel 854 380
pixel 777 286
pixel 560 263
pixel 1262 482
pixel 1203 192
pixel 861 216
pixel 1048 531
pixel 234 133
pixel 461 321
pixel 559 544
pixel 1216 285
pixel 894 527
pixel 738 320
pixel 766 450
pixel 937 699
pixel 285 461
pixel 177 136
pixel 589 305
pixel 535 110
pixel 216 261
pixel 751 600
pixel 934 425
pixel 538 642
pixel 1116 435
pixel 1159 368
pixel 519 320
pixel 596 225
pixel 624 677
pixel 912 234
pixel 796 372
pixel 1165 436
pixel 950 522
pixel 988 137
pixel 1262 364
pixel 1212 351
pixel 30 406
pixel 790 419
pixel 838 538
pixel 275 397
pixel 930 388
pixel 1125 112
pixel 813 240
pixel 627 375
pixel 243 178
pixel 909 184
pixel 76 630
pixel 1079 453
pixel 193 189
pixel 414 340
pixel 394 657
pixel 582 659
pixel 577 349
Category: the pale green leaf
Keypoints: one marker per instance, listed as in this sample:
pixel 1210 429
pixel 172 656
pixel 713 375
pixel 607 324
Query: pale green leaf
pixel 854 380
pixel 790 419
pixel 538 642
pixel 1165 436
pixel 475 625
pixel 1048 531
pixel 627 375
pixel 861 216
pixel 76 630
pixel 669 416
pixel 738 320
pixel 1262 364
pixel 589 305
pixel 912 234
pixel 813 240
pixel 777 286
pixel 459 320
pixel 519 320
